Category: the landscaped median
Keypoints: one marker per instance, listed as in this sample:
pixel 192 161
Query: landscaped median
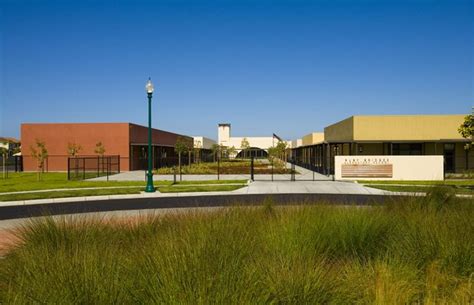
pixel 461 187
pixel 229 167
pixel 24 186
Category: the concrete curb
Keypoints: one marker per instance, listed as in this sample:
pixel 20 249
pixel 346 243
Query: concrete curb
pixel 198 201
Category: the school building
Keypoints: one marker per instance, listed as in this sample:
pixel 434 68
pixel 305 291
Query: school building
pixel 387 135
pixel 129 141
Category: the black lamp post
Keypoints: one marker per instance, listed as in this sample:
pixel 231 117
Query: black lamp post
pixel 149 184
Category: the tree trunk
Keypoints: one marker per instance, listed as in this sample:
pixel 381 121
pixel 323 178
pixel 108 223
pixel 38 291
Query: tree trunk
pixel 3 166
pixel 179 164
pixel 189 158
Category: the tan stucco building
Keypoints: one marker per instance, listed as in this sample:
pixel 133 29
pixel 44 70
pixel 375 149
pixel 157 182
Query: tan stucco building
pixel 258 146
pixel 388 135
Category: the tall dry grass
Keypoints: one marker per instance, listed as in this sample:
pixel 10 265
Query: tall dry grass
pixel 415 251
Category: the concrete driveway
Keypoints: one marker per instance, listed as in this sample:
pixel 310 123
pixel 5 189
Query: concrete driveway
pixel 308 187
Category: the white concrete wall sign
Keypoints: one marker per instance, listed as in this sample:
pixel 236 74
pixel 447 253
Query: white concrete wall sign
pixel 389 168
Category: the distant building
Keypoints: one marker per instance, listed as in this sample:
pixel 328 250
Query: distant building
pixel 296 143
pixel 258 146
pixel 203 142
pixel 125 139
pixel 11 144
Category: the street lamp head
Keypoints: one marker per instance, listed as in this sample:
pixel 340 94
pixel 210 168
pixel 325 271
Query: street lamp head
pixel 149 86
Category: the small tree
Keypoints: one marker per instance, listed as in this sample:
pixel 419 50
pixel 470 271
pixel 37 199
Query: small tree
pixel 223 151
pixel 197 148
pixel 214 150
pixel 272 153
pixel 73 149
pixel 467 130
pixel 4 154
pixel 278 153
pixel 180 147
pixel 244 145
pixel 40 154
pixel 99 149
pixel 231 151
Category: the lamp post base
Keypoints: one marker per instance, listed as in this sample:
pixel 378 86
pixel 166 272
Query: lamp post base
pixel 149 184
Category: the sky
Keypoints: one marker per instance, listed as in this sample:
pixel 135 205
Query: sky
pixel 284 67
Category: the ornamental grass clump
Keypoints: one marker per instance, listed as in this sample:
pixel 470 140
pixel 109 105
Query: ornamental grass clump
pixel 412 250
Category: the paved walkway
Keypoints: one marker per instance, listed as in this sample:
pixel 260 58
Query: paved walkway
pixel 304 174
pixel 305 187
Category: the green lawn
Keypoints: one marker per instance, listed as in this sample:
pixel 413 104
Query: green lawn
pixel 212 182
pixel 408 182
pixel 19 182
pixel 457 186
pixel 28 182
pixel 75 193
pixel 417 188
pixel 409 251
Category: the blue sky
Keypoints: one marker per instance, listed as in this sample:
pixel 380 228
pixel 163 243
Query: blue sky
pixel 288 67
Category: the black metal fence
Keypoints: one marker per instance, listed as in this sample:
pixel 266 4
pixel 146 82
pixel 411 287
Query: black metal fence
pixel 81 168
pixel 12 164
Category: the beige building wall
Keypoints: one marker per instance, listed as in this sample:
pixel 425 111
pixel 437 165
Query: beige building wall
pixel 396 128
pixel 260 142
pixel 223 134
pixel 203 142
pixel 407 127
pixel 296 143
pixel 224 138
pixel 312 138
pixel 340 132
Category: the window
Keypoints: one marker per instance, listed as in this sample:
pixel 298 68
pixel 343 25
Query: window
pixel 407 149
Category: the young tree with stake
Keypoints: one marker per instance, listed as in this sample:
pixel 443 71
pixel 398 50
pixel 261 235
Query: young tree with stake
pixel 99 149
pixel 73 149
pixel 181 146
pixel 40 154
pixel 245 145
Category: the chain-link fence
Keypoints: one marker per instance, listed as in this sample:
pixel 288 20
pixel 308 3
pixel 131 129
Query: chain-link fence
pixel 81 168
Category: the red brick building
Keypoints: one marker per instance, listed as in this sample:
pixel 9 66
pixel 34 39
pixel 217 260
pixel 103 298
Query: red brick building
pixel 125 139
